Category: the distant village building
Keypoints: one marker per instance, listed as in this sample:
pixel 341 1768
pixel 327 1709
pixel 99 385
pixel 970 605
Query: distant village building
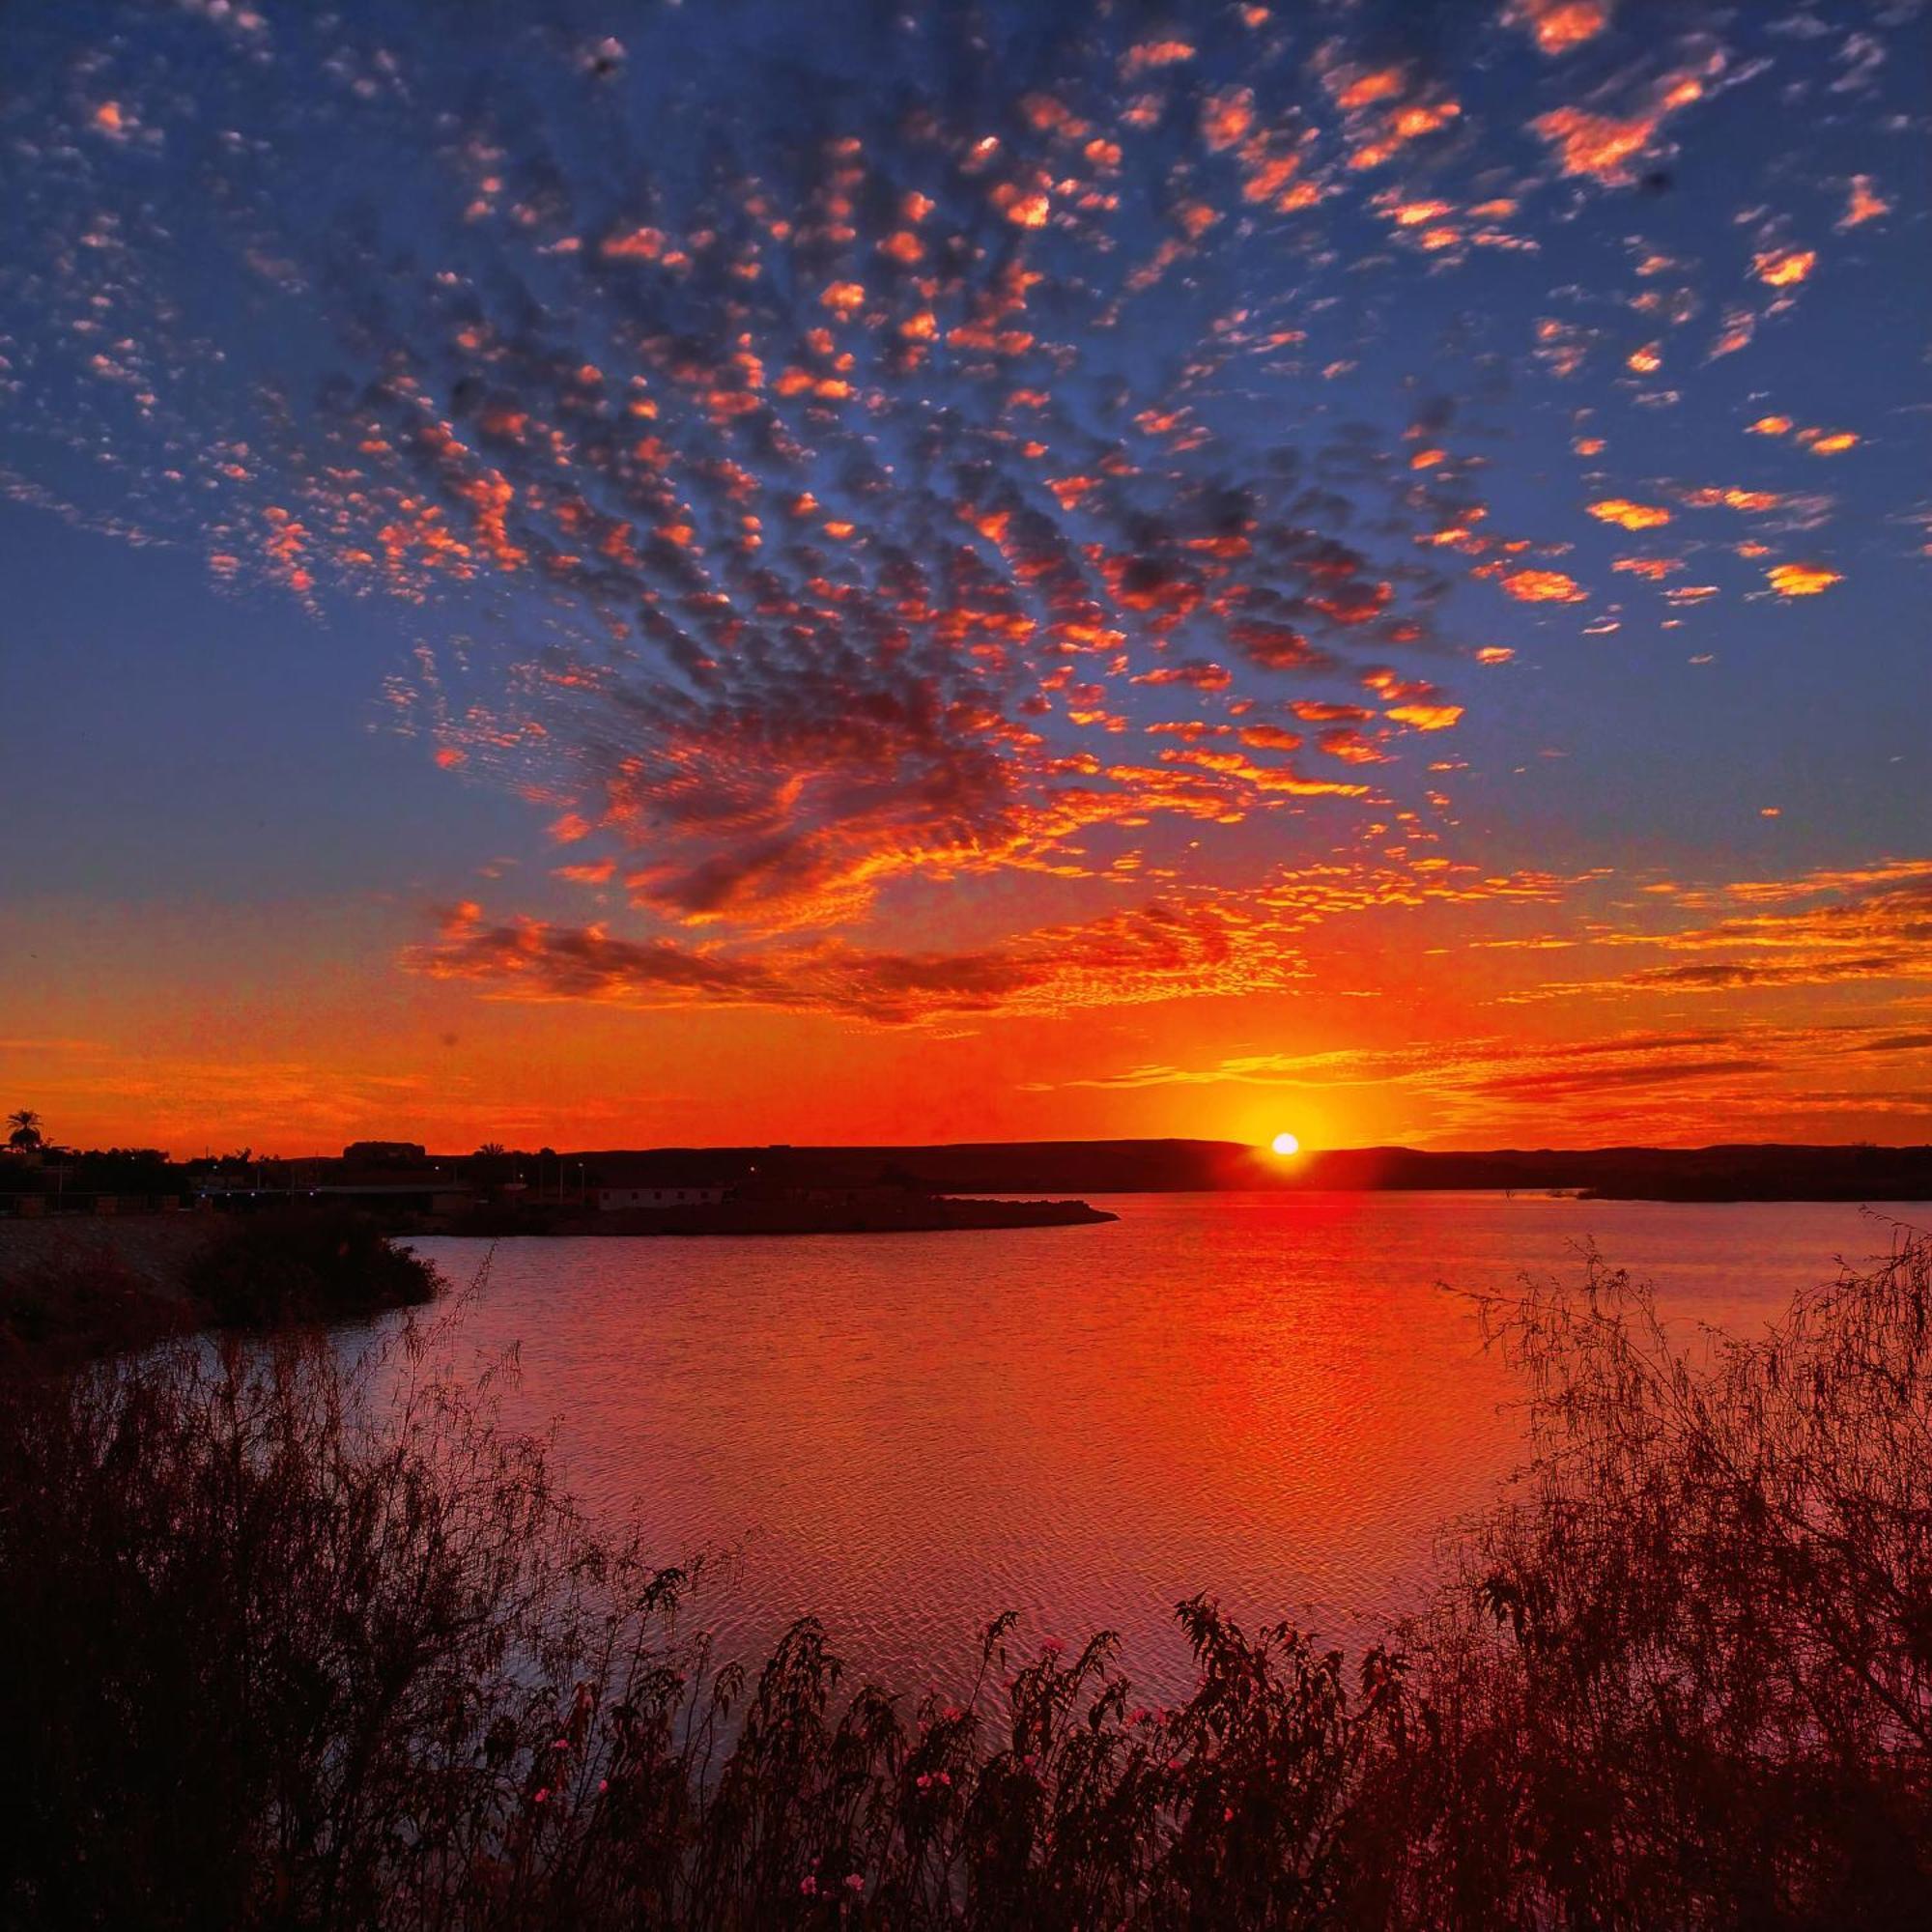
pixel 609 1199
pixel 385 1153
pixel 377 1175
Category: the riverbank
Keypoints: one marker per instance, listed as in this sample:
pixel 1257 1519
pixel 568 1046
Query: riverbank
pixel 81 1284
pixel 77 1286
pixel 881 1214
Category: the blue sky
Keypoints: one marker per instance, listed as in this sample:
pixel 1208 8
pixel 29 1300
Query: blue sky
pixel 1174 553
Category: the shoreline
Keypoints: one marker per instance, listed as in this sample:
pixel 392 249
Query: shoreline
pixel 919 1216
pixel 79 1287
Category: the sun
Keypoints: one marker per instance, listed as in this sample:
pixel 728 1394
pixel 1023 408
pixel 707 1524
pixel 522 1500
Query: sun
pixel 1285 1144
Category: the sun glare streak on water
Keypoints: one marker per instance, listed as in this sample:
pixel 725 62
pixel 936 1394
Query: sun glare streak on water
pixel 1271 1398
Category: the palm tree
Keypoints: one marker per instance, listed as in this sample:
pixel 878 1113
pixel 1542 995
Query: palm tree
pixel 26 1126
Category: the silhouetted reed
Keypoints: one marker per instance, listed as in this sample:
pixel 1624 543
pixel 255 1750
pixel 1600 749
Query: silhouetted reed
pixel 292 1639
pixel 1682 1673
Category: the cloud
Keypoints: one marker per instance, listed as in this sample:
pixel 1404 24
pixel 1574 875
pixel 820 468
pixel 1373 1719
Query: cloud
pixel 1158 952
pixel 1542 587
pixel 1198 943
pixel 1862 203
pixel 1602 146
pixel 1426 717
pixel 1801 579
pixel 1662 1083
pixel 1873 924
pixel 1628 516
pixel 831 467
pixel 1784 268
pixel 1559 26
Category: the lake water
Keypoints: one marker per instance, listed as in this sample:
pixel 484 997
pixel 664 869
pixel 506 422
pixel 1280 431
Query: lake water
pixel 1271 1398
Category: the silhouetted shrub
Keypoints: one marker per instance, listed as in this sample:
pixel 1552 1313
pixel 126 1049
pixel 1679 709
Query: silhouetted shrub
pixel 306 1264
pixel 288 1641
pixel 62 1307
pixel 1682 1674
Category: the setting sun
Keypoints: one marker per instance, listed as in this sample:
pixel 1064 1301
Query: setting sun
pixel 1285 1144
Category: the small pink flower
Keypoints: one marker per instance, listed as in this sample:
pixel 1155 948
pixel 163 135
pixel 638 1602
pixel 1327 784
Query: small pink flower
pixel 1228 1816
pixel 945 1778
pixel 1177 1764
pixel 562 1743
pixel 808 1886
pixel 924 1780
pixel 538 1796
pixel 854 1883
pixel 603 1785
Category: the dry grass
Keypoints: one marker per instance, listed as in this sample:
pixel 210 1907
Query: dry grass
pixel 1681 1674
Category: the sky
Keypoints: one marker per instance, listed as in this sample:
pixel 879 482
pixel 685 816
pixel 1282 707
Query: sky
pixel 724 572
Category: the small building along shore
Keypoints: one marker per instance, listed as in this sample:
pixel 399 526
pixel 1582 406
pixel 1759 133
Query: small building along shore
pixel 615 1199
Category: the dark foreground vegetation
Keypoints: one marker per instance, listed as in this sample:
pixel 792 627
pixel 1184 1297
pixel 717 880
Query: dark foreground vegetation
pixel 285 1643
pixel 306 1264
pixel 69 1293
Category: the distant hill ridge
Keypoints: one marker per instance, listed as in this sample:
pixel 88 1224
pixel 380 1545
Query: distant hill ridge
pixel 1732 1172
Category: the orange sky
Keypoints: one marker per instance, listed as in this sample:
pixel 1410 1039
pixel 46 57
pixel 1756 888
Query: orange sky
pixel 1441 1024
pixel 762 581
